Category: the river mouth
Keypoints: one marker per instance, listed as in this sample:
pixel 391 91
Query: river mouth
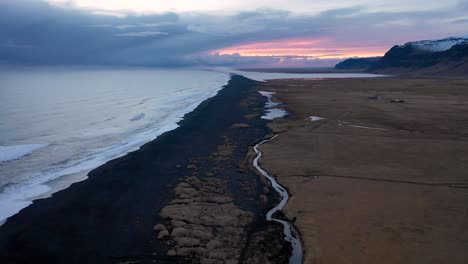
pixel 289 231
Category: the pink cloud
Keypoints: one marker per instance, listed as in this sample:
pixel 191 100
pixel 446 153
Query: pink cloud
pixel 320 48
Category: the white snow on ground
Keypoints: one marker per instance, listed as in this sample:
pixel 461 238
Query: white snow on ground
pixel 315 118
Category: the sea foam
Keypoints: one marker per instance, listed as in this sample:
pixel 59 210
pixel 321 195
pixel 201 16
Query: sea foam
pixel 94 116
pixel 9 153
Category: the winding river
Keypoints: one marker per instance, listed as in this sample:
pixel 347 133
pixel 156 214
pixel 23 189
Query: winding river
pixel 289 231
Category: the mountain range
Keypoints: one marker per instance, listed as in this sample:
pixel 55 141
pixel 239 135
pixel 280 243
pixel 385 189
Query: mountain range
pixel 447 56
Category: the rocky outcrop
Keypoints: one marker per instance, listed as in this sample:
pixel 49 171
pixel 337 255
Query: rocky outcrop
pixel 203 222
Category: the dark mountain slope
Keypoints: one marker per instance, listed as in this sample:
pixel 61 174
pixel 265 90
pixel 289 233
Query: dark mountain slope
pixel 357 63
pixel 415 58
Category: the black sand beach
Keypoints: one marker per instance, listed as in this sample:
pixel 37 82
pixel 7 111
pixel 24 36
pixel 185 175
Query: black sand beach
pixel 110 217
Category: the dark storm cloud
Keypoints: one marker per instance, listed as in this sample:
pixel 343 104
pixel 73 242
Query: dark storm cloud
pixel 33 32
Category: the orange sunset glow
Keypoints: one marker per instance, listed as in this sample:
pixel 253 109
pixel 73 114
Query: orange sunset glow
pixel 312 48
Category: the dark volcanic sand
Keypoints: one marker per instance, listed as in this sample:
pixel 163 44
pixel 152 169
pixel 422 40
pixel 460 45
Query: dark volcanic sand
pixel 109 217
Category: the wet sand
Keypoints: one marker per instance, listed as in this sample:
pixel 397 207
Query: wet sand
pixel 375 181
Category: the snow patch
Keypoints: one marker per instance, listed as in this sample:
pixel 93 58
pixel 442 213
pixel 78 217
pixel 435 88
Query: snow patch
pixel 437 45
pixel 315 118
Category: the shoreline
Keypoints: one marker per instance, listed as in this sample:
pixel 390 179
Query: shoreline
pixel 109 217
pixel 79 147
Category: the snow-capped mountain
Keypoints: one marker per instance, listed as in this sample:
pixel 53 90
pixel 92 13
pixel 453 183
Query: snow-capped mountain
pixel 447 56
pixel 437 45
pixel 443 57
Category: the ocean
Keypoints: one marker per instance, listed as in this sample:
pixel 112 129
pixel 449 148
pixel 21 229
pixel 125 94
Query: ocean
pixel 57 124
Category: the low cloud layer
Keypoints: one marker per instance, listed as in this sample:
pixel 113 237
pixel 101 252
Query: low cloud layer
pixel 34 32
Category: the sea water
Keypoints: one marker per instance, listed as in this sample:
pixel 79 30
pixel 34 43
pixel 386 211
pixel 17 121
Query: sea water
pixel 58 124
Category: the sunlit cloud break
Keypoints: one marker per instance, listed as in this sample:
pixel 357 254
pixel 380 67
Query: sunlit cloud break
pixel 312 49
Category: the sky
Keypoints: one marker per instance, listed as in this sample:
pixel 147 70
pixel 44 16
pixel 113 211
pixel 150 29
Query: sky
pixel 240 33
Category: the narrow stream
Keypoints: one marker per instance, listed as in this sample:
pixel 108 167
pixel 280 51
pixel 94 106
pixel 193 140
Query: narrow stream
pixel 289 231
